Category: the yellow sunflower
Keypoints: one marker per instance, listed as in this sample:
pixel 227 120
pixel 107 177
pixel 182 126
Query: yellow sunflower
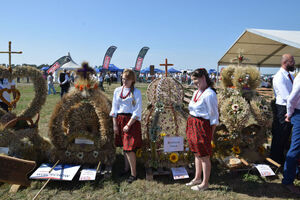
pixel 163 134
pixel 173 157
pixel 139 153
pixel 236 149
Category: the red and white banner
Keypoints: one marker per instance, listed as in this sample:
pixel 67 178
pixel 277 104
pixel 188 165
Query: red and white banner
pixel 53 68
pixel 106 62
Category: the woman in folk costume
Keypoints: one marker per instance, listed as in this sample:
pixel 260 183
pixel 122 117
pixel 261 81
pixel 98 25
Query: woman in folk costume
pixel 201 125
pixel 126 112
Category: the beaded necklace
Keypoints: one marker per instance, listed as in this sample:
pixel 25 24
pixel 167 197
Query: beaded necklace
pixel 121 95
pixel 195 98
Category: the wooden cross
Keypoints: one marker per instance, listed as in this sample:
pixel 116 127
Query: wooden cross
pixel 166 66
pixel 85 70
pixel 9 54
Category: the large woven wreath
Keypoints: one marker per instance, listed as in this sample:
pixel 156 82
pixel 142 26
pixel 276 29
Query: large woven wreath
pixel 82 113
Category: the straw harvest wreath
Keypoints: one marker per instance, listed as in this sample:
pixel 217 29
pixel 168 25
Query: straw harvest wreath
pixel 19 132
pixel 245 117
pixel 165 116
pixel 83 113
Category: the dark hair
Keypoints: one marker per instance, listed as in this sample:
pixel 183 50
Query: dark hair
pixel 198 73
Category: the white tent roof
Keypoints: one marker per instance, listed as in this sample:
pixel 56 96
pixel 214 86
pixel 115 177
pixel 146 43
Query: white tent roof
pixel 70 66
pixel 264 48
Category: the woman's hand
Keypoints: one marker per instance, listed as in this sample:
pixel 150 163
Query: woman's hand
pixel 116 129
pixel 126 128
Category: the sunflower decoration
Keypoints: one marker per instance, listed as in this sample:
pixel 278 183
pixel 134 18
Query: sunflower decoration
pixel 174 157
pixel 236 149
pixel 139 153
pixel 163 134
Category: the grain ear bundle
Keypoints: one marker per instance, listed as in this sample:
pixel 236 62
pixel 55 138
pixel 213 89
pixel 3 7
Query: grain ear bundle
pixel 20 132
pixel 80 125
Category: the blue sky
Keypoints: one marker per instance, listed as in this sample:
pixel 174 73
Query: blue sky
pixel 190 34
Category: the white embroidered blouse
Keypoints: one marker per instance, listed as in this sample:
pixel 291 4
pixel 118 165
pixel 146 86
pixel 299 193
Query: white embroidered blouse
pixel 206 106
pixel 120 105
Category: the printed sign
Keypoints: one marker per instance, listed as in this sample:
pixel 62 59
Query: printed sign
pixel 88 175
pixel 60 172
pixel 179 173
pixel 265 170
pixel 172 144
pixel 83 141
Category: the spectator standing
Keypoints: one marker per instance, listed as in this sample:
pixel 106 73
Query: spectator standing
pixel 281 130
pixel 50 84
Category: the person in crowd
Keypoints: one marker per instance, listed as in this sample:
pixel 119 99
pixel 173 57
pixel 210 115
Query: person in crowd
pixel 121 78
pixel 107 78
pixel 115 77
pixel 64 82
pixel 50 81
pixel 126 112
pixel 201 124
pixel 101 79
pixel 281 130
pixel 5 83
pixel 293 155
pixel 72 77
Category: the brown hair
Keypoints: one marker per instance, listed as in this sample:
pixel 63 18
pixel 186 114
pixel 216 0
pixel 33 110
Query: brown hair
pixel 198 73
pixel 128 73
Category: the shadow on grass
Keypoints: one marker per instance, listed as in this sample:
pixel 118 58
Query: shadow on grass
pixel 251 184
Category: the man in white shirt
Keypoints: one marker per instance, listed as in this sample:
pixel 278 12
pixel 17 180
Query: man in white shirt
pixel 5 83
pixel 282 87
pixel 293 156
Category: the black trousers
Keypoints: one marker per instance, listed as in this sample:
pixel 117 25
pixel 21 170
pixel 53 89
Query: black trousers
pixel 64 89
pixel 281 131
pixel 4 106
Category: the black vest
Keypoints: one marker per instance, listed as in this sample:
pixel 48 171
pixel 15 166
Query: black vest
pixel 62 77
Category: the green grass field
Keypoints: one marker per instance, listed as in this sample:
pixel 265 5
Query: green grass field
pixel 223 185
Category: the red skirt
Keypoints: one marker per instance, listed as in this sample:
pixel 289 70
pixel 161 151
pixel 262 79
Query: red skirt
pixel 199 135
pixel 133 138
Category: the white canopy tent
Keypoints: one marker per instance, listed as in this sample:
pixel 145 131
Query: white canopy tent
pixel 263 48
pixel 70 66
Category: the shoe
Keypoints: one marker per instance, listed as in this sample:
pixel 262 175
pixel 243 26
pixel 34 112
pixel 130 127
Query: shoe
pixel 293 189
pixel 194 182
pixel 198 188
pixel 131 179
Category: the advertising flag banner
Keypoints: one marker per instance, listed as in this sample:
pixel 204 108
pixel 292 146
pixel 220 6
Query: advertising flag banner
pixel 60 62
pixel 140 59
pixel 109 53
